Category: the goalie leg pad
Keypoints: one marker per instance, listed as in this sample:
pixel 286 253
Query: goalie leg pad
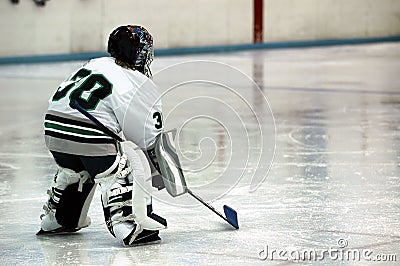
pixel 71 211
pixel 117 206
pixel 124 202
pixel 141 175
pixel 69 199
pixel 116 197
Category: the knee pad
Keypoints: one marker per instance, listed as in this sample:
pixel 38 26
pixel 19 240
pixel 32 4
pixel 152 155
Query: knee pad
pixel 69 198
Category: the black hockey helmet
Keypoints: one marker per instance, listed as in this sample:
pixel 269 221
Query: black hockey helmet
pixel 132 45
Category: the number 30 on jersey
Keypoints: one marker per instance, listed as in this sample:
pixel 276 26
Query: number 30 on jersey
pixel 91 91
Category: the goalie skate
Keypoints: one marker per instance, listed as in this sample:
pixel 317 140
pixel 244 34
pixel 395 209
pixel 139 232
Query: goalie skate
pixel 62 229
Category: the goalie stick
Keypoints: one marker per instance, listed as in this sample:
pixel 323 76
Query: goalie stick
pixel 230 214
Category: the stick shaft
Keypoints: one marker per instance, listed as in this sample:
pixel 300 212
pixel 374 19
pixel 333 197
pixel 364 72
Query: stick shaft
pixel 207 205
pixel 105 129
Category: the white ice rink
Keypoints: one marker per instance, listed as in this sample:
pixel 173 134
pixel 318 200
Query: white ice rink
pixel 332 193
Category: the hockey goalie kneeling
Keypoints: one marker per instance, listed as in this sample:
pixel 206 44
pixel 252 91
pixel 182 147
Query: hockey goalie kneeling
pixel 126 200
pixel 117 91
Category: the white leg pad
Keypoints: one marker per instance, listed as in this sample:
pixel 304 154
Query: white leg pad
pixel 141 186
pixel 64 178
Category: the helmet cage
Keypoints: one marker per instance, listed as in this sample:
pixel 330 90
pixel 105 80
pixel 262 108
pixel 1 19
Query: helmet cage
pixel 144 51
pixel 132 44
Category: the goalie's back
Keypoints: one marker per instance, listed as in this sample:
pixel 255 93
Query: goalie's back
pixel 111 93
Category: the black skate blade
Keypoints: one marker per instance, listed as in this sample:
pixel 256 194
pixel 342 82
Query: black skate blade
pixel 146 237
pixel 144 243
pixel 59 231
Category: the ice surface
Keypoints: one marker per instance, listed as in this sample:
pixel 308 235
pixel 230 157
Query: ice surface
pixel 334 182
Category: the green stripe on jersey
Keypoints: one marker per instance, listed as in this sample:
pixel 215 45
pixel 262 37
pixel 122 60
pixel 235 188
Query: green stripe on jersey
pixel 73 130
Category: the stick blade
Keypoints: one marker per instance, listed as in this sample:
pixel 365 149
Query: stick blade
pixel 231 216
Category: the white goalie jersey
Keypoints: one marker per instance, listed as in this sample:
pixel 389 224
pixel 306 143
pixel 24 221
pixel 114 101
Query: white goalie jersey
pixel 124 100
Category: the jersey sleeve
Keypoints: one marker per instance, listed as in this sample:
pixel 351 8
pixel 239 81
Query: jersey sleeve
pixel 140 117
